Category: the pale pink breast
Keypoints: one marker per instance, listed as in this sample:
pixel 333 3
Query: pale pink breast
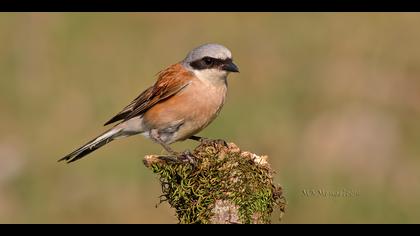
pixel 198 105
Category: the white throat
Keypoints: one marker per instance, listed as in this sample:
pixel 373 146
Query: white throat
pixel 214 77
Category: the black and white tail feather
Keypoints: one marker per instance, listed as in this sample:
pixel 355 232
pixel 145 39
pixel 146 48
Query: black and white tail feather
pixel 94 144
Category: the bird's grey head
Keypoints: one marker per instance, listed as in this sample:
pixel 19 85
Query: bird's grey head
pixel 210 61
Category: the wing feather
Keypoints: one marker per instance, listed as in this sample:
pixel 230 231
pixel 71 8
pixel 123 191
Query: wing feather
pixel 170 81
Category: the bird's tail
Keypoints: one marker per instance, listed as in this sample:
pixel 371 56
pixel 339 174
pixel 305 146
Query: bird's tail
pixel 92 145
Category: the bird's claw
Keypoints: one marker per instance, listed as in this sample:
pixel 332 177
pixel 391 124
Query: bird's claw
pixel 207 141
pixel 187 157
pixel 180 157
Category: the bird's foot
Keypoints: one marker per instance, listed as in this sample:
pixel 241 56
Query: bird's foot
pixel 207 141
pixel 180 157
pixel 220 142
pixel 187 157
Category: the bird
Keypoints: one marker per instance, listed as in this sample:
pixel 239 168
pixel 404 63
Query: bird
pixel 186 98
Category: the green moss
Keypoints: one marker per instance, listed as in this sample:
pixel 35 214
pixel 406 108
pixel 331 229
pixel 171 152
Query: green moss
pixel 220 173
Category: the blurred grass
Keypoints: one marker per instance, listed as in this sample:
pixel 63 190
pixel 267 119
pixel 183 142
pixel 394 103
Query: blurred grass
pixel 333 99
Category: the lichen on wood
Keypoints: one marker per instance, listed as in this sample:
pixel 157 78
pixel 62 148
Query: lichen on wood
pixel 222 185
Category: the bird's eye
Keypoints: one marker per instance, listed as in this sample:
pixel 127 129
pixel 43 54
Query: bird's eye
pixel 208 60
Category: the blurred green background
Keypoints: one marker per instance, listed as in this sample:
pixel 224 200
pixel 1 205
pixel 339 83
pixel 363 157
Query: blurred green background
pixel 333 99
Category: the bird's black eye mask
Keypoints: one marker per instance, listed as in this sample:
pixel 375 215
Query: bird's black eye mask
pixel 210 63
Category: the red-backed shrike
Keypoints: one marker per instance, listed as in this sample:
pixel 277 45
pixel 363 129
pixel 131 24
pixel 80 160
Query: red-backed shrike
pixel 186 97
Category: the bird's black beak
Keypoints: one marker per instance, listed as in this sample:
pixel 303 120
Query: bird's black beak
pixel 230 66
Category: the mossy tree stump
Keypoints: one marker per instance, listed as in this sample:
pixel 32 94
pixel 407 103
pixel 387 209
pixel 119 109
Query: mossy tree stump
pixel 223 185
